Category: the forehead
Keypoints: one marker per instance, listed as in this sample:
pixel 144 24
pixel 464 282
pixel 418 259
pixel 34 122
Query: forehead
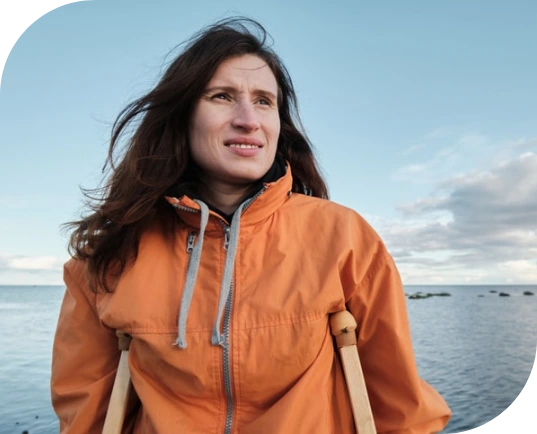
pixel 247 68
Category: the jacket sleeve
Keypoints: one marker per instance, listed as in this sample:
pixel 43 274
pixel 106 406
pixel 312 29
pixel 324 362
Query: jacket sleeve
pixel 401 401
pixel 84 360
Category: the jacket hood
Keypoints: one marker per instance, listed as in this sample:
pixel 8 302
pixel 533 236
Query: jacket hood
pixel 271 196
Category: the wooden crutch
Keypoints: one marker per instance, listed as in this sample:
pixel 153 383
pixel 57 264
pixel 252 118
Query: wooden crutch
pixel 117 407
pixel 343 327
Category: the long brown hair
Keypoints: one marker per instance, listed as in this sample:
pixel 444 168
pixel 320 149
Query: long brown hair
pixel 156 156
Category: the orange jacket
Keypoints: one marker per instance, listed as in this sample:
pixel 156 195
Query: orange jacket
pixel 262 362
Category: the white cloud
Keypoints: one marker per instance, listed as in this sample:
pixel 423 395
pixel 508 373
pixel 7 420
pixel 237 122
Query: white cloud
pixel 412 149
pixel 442 155
pixel 442 161
pixel 437 133
pixel 480 226
pixel 34 263
pixel 525 269
pixel 473 141
pixel 30 263
pixel 411 169
pixel 31 270
pixel 524 143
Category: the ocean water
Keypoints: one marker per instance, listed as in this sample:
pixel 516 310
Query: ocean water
pixel 475 347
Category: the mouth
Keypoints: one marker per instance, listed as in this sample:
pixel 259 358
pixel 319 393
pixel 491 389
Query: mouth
pixel 243 143
pixel 243 146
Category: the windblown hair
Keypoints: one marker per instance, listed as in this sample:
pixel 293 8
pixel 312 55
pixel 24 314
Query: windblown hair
pixel 156 156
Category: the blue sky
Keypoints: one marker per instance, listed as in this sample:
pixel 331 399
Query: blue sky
pixel 423 115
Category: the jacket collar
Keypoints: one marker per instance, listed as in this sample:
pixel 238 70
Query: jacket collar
pixel 265 203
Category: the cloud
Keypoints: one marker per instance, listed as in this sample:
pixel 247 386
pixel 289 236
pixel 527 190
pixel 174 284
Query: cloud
pixel 432 136
pixel 412 149
pixel 504 197
pixel 473 141
pixel 443 161
pixel 441 155
pixel 437 133
pixel 31 270
pixel 478 225
pixel 524 143
pixel 411 170
pixel 30 263
pixel 524 268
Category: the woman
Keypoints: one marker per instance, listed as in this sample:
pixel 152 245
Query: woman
pixel 214 246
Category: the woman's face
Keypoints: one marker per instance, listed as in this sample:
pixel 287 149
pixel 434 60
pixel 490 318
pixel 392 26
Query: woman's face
pixel 235 125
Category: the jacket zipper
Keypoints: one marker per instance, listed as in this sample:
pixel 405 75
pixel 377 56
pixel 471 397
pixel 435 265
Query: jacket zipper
pixel 226 347
pixel 227 363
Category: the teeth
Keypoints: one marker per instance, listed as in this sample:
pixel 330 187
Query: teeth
pixel 242 146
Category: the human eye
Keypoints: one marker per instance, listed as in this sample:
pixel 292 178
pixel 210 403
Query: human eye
pixel 265 101
pixel 221 96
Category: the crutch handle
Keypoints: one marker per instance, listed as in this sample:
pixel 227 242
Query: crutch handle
pixel 343 327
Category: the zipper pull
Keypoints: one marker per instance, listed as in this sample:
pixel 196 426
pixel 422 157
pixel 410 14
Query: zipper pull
pixel 190 242
pixel 227 229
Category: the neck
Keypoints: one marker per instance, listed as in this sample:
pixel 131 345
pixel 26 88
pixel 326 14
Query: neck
pixel 226 198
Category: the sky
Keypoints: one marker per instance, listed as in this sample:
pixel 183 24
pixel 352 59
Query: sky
pixel 422 114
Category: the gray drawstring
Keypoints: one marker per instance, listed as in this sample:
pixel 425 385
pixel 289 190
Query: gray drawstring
pixel 225 288
pixel 217 337
pixel 191 275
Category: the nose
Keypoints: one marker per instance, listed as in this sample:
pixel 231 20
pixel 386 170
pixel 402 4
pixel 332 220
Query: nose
pixel 245 116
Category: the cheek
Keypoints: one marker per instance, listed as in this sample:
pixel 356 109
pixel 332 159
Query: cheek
pixel 199 135
pixel 202 124
pixel 275 128
pixel 197 144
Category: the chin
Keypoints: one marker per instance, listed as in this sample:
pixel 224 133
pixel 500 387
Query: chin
pixel 246 176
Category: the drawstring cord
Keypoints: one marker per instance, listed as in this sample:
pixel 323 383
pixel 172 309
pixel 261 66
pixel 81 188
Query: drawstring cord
pixel 217 338
pixel 191 276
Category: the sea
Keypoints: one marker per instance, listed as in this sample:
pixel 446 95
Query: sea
pixel 475 347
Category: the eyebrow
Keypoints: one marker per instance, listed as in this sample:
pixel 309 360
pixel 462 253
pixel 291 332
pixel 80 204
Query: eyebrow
pixel 231 89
